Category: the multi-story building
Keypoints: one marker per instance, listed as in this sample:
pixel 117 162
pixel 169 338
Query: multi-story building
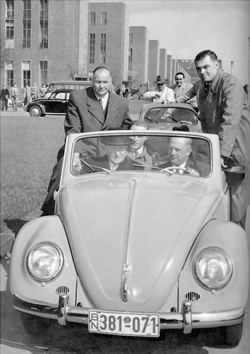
pixel 138 55
pixel 43 40
pixel 109 39
pixel 163 63
pixel 153 61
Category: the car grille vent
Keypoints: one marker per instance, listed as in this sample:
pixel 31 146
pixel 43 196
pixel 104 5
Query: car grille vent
pixel 62 290
pixel 193 296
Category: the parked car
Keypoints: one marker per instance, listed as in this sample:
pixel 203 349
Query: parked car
pixel 170 115
pixel 134 249
pixel 56 103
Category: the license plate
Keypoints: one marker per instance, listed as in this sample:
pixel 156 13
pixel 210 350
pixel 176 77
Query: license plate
pixel 128 324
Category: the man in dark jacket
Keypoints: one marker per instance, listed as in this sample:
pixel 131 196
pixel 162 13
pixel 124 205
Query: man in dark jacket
pixel 223 110
pixel 4 97
pixel 94 109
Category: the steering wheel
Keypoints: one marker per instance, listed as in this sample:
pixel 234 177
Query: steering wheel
pixel 186 122
pixel 176 168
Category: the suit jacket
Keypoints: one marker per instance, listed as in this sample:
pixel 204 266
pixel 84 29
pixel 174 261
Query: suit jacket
pixel 85 113
pixel 199 166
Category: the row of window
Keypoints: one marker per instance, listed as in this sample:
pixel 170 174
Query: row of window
pixel 9 23
pixel 103 20
pixel 26 77
pixel 92 47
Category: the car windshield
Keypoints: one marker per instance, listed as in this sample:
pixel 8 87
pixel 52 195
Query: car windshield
pixel 176 154
pixel 171 115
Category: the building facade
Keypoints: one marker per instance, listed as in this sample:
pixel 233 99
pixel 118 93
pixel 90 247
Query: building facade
pixel 43 40
pixel 138 55
pixel 108 39
pixel 153 61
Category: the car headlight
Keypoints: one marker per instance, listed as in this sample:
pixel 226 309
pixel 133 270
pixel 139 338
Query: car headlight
pixel 213 268
pixel 44 261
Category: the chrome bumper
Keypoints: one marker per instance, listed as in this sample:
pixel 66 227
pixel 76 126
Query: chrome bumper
pixel 185 320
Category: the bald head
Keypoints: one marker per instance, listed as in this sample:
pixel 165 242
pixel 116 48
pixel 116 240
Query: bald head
pixel 179 149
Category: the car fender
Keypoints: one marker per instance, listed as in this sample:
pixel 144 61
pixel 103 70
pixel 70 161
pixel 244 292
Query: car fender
pixel 43 229
pixel 232 239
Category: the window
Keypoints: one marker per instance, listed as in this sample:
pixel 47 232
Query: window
pixel 92 18
pixel 44 24
pixel 131 37
pixel 9 73
pixel 44 72
pixel 130 59
pixel 104 18
pixel 26 23
pixel 9 20
pixel 103 48
pixel 92 48
pixel 26 73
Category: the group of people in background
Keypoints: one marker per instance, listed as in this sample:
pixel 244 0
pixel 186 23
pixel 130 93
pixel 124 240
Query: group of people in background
pixel 29 94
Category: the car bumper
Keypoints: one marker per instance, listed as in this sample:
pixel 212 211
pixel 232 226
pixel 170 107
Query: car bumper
pixel 185 320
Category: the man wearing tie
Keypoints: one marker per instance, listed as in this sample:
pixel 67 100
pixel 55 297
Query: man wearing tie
pixel 95 108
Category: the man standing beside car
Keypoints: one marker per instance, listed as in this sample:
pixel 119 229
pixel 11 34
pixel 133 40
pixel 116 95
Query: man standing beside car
pixel 95 108
pixel 223 110
pixel 162 94
pixel 14 93
pixel 181 87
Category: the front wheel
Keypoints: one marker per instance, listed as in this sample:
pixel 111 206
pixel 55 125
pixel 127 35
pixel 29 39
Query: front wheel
pixel 34 325
pixel 35 111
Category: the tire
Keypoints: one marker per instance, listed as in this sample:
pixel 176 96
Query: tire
pixel 35 111
pixel 231 335
pixel 35 325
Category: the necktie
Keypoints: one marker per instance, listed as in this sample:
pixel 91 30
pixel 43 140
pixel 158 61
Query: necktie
pixel 101 103
pixel 206 86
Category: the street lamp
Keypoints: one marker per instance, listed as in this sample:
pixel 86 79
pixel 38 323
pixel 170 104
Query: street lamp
pixel 232 64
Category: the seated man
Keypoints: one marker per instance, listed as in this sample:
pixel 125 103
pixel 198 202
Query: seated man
pixel 137 151
pixel 180 154
pixel 115 158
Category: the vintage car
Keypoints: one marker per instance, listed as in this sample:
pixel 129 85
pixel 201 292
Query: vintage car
pixel 56 103
pixel 168 116
pixel 135 248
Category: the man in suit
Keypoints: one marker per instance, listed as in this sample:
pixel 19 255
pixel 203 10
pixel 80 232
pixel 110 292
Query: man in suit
pixel 95 108
pixel 181 88
pixel 180 153
pixel 115 158
pixel 14 93
pixel 137 151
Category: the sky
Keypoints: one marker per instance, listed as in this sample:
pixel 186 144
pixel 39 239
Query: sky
pixel 185 28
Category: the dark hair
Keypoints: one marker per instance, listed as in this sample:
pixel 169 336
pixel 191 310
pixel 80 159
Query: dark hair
pixel 182 128
pixel 205 53
pixel 180 73
pixel 101 67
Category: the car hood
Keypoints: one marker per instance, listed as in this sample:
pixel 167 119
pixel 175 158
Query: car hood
pixel 130 237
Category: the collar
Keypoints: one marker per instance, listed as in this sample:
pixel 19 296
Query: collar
pixel 216 80
pixel 138 152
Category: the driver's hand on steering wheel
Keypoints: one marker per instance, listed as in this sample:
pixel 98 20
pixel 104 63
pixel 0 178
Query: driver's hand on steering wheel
pixel 193 172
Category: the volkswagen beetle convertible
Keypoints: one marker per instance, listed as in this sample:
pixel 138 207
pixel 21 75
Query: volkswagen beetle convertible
pixel 135 248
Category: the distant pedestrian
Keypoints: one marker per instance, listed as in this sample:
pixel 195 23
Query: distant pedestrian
pixel 14 93
pixel 27 95
pixel 5 95
pixel 34 91
pixel 43 90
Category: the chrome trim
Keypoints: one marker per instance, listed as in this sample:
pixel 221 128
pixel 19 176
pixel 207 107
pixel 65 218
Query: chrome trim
pixel 187 320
